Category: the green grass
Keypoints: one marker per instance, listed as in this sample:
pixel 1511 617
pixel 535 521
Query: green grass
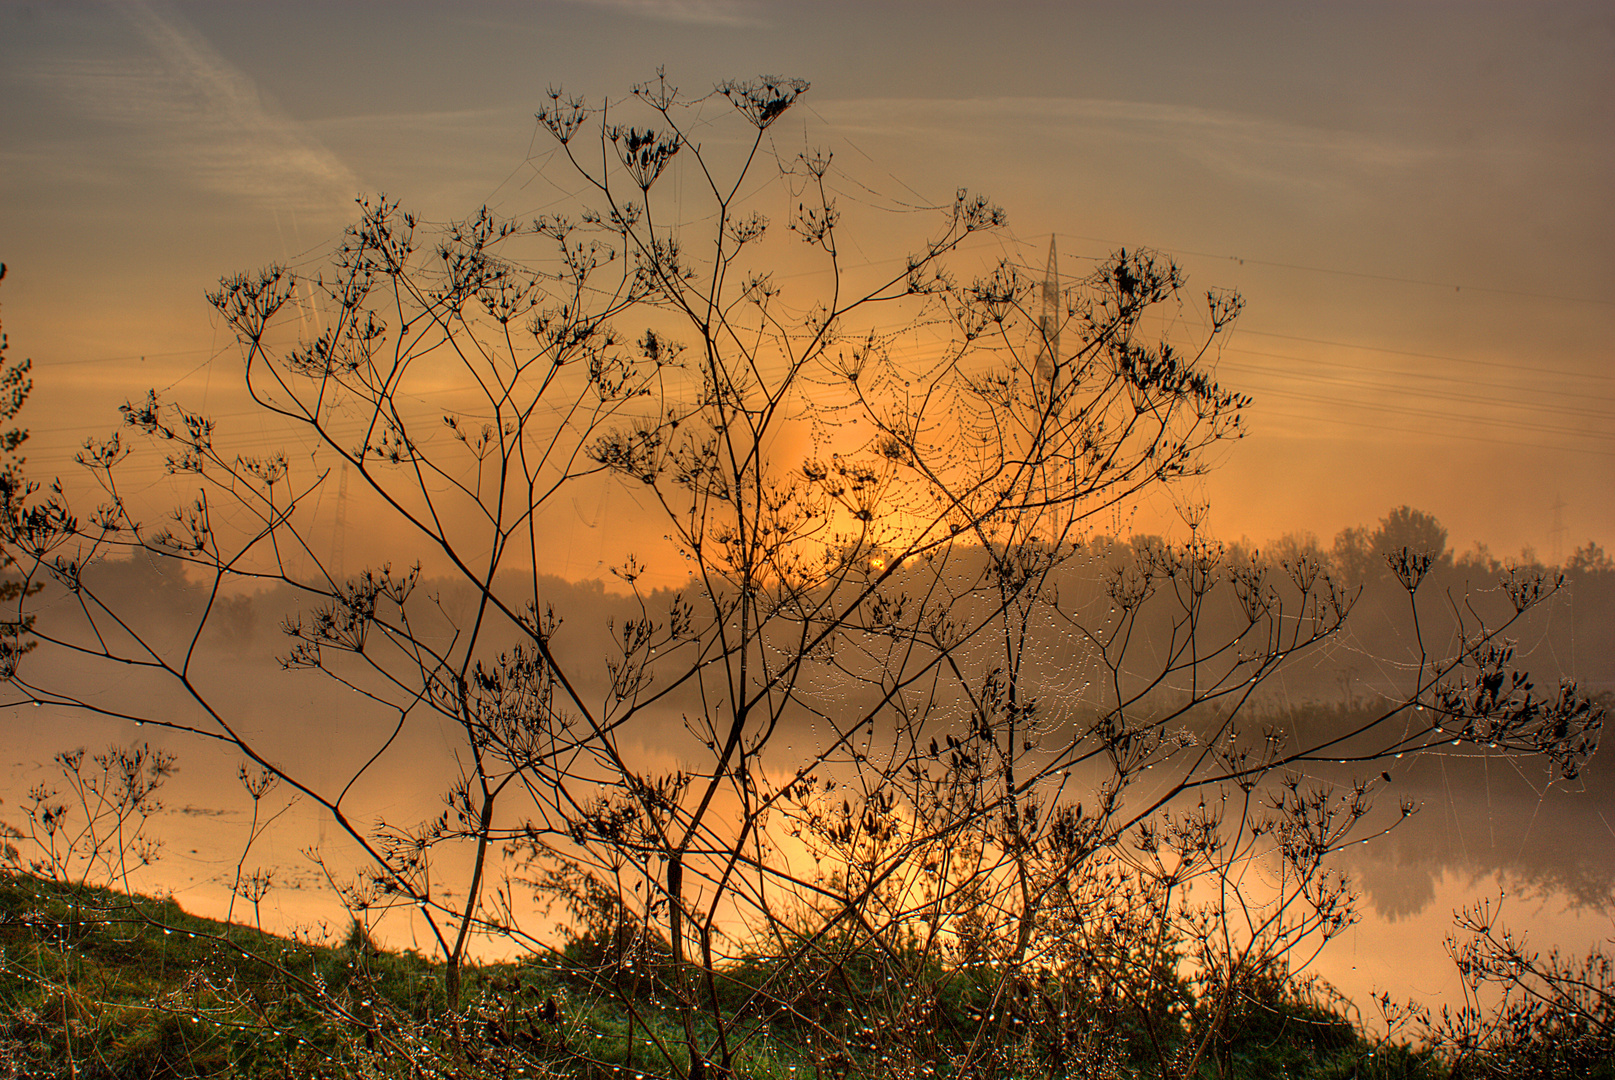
pixel 100 984
pixel 153 991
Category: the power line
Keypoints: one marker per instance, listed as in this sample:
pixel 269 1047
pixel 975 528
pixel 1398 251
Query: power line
pixel 130 356
pixel 1325 377
pixel 1455 287
pixel 1333 418
pixel 1435 356
pixel 1511 388
pixel 1470 421
pixel 1506 365
pixel 1431 394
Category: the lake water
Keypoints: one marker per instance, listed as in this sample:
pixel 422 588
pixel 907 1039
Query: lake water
pixel 1486 830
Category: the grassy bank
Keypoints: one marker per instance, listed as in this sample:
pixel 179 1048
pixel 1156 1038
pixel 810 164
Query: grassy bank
pixel 98 984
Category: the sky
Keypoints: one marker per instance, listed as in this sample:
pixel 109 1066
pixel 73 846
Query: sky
pixel 1413 198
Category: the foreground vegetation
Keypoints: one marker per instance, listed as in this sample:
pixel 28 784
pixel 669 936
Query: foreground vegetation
pixel 99 984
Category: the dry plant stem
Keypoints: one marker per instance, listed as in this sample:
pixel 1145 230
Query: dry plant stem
pixel 256 787
pixel 1551 1015
pixel 107 792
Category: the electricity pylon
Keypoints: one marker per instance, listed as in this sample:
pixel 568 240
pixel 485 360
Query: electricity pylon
pixel 1048 350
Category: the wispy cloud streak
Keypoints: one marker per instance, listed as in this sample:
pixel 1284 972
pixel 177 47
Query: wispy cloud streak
pixel 200 118
pixel 1255 147
pixel 706 12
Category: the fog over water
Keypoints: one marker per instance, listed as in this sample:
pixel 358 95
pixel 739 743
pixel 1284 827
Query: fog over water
pixel 1486 825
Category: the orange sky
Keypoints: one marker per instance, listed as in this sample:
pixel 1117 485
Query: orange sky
pixel 1412 198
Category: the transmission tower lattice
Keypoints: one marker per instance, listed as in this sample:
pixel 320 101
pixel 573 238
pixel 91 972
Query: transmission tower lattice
pixel 1556 535
pixel 340 529
pixel 1048 350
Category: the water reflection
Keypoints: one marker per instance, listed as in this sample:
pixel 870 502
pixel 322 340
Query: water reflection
pixel 1487 829
pixel 1480 818
pixel 1485 825
pixel 1484 829
pixel 1406 955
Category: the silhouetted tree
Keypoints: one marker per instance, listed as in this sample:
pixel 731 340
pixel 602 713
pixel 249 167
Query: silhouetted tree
pixel 1353 555
pixel 1413 530
pixel 1590 560
pixel 15 386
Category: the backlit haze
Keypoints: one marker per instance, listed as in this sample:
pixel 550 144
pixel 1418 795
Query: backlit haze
pixel 1414 200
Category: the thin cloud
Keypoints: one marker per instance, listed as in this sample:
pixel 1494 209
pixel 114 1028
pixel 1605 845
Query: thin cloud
pixel 199 117
pixel 1236 143
pixel 705 12
pixel 436 119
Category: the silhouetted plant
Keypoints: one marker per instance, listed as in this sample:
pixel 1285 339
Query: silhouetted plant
pixel 927 803
pixel 15 385
pixel 92 830
pixel 1525 1014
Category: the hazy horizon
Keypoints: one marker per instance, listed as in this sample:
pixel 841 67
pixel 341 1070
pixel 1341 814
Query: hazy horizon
pixel 1410 197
